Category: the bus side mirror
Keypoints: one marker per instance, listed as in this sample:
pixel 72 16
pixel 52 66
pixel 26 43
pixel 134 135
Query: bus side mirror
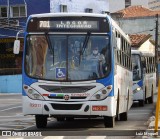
pixel 16 47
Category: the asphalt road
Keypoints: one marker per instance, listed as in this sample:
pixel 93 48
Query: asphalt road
pixel 11 118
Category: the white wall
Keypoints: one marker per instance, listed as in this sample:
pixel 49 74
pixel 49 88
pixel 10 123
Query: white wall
pixel 116 5
pixel 138 25
pixel 147 47
pixel 80 5
pixel 140 2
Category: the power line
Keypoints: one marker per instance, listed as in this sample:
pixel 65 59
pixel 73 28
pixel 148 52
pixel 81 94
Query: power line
pixel 144 31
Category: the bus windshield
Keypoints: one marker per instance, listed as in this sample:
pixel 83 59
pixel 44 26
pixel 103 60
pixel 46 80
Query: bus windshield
pixel 136 64
pixel 68 57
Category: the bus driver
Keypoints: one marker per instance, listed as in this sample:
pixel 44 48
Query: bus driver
pixel 95 54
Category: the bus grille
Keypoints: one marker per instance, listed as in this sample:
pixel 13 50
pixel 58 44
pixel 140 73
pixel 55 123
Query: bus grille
pixel 67 89
pixel 66 106
pixel 72 97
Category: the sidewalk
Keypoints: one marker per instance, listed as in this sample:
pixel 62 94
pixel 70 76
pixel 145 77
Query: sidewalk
pixel 151 126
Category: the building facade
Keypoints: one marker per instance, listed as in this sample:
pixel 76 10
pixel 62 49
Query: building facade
pixel 89 6
pixel 142 42
pixel 133 20
pixel 13 17
pixel 154 4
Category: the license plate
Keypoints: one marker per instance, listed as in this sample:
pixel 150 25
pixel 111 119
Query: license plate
pixel 99 108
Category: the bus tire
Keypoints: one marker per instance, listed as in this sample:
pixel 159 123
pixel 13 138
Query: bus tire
pixel 145 99
pixel 41 121
pixel 150 99
pixel 109 122
pixel 117 110
pixel 141 103
pixel 60 119
pixel 123 116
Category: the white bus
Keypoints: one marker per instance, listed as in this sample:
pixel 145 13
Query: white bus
pixel 76 65
pixel 144 76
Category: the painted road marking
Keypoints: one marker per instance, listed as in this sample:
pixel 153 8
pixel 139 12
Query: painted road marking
pixel 10 108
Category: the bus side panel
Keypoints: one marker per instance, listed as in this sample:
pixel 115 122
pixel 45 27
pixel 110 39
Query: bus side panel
pixel 123 87
pixel 150 83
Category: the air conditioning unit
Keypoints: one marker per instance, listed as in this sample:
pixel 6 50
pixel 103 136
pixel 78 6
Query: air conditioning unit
pixel 105 12
pixel 17 23
pixel 14 22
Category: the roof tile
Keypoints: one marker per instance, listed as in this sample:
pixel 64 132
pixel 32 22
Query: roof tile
pixel 138 39
pixel 137 11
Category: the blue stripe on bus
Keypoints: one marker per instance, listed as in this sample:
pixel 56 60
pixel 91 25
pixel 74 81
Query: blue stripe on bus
pixel 27 81
pixel 140 83
pixel 107 81
pixel 52 95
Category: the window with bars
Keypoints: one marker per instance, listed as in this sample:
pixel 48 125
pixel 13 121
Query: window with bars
pixel 127 3
pixel 63 8
pixel 3 12
pixel 18 11
pixel 88 10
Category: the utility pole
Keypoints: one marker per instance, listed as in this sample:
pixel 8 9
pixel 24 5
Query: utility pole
pixel 156 49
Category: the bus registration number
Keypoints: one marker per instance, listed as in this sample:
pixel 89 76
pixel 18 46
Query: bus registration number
pixel 99 108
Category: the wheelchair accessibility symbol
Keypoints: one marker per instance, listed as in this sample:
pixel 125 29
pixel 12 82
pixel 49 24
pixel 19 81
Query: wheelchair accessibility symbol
pixel 60 72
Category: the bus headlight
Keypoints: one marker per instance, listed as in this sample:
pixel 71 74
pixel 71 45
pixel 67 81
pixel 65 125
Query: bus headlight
pixel 31 93
pixel 138 89
pixel 102 94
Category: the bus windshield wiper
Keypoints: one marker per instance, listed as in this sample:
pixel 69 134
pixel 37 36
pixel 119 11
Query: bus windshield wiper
pixel 49 42
pixel 49 45
pixel 85 42
pixel 84 45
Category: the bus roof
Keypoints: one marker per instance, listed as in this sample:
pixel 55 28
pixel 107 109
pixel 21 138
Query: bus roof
pixel 67 14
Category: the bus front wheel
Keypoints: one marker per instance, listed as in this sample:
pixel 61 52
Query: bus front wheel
pixel 141 103
pixel 123 116
pixel 41 121
pixel 109 122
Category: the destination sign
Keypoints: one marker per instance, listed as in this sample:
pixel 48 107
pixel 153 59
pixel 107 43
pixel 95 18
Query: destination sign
pixel 74 24
pixel 68 24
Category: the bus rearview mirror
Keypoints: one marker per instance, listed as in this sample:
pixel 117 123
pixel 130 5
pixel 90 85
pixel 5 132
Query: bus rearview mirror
pixel 16 47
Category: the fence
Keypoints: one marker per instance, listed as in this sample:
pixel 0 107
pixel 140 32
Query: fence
pixel 11 83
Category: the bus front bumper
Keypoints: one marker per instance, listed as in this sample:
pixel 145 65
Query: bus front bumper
pixel 106 107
